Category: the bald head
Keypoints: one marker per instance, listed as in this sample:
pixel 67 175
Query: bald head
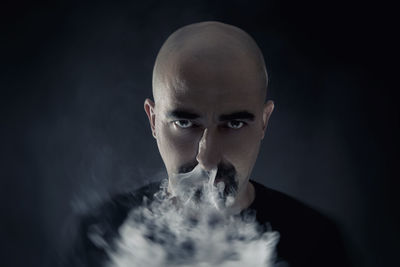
pixel 209 50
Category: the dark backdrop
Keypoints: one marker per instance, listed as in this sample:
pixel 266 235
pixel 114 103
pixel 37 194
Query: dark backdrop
pixel 74 77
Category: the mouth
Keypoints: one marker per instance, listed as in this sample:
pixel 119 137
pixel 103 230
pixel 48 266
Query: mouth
pixel 192 178
pixel 218 180
pixel 221 180
pixel 229 186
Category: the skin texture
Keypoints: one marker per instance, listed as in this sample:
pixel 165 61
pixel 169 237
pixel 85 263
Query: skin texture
pixel 209 88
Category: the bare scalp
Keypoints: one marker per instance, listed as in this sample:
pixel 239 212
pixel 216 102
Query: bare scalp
pixel 208 49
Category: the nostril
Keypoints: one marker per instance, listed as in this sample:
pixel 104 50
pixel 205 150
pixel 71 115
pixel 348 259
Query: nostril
pixel 207 162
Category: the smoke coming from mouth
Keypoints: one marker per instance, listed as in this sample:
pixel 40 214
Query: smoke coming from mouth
pixel 192 227
pixel 192 177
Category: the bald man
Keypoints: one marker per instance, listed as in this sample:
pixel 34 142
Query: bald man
pixel 209 88
pixel 210 112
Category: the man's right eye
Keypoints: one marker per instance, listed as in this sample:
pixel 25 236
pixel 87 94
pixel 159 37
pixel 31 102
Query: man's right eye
pixel 183 123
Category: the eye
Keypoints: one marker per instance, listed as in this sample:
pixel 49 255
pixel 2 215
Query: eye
pixel 183 123
pixel 235 124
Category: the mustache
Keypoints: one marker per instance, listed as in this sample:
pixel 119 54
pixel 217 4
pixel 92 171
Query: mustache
pixel 226 172
pixel 224 169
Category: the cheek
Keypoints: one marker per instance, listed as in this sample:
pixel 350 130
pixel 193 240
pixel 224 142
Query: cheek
pixel 242 149
pixel 176 147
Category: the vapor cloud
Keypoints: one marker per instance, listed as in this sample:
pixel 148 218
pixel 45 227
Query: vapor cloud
pixel 192 228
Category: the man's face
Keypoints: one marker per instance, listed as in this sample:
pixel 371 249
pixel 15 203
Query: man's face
pixel 210 115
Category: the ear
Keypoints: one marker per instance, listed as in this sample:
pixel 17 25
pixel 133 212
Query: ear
pixel 268 108
pixel 149 109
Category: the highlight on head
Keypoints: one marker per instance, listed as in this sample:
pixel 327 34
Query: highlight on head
pixel 213 43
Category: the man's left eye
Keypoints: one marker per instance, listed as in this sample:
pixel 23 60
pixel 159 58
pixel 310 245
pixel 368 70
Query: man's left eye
pixel 235 124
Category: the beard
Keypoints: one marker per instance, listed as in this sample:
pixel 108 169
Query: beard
pixel 226 174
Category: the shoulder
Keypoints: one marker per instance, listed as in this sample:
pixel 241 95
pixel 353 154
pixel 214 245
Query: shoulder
pixel 306 235
pixel 274 206
pixel 110 214
pixel 96 229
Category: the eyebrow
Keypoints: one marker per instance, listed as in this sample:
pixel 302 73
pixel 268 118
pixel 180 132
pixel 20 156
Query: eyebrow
pixel 190 115
pixel 240 115
pixel 183 114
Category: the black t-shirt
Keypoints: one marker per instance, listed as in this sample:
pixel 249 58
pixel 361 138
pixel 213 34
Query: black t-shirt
pixel 307 238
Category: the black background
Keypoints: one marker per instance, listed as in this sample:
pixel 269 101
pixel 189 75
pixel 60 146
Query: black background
pixel 74 76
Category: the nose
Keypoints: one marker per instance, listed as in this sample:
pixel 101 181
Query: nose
pixel 209 154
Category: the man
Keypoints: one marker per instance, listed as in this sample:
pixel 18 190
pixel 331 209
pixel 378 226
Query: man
pixel 209 111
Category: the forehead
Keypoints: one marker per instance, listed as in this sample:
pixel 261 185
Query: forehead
pixel 212 87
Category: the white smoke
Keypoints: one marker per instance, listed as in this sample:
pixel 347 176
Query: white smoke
pixel 192 229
